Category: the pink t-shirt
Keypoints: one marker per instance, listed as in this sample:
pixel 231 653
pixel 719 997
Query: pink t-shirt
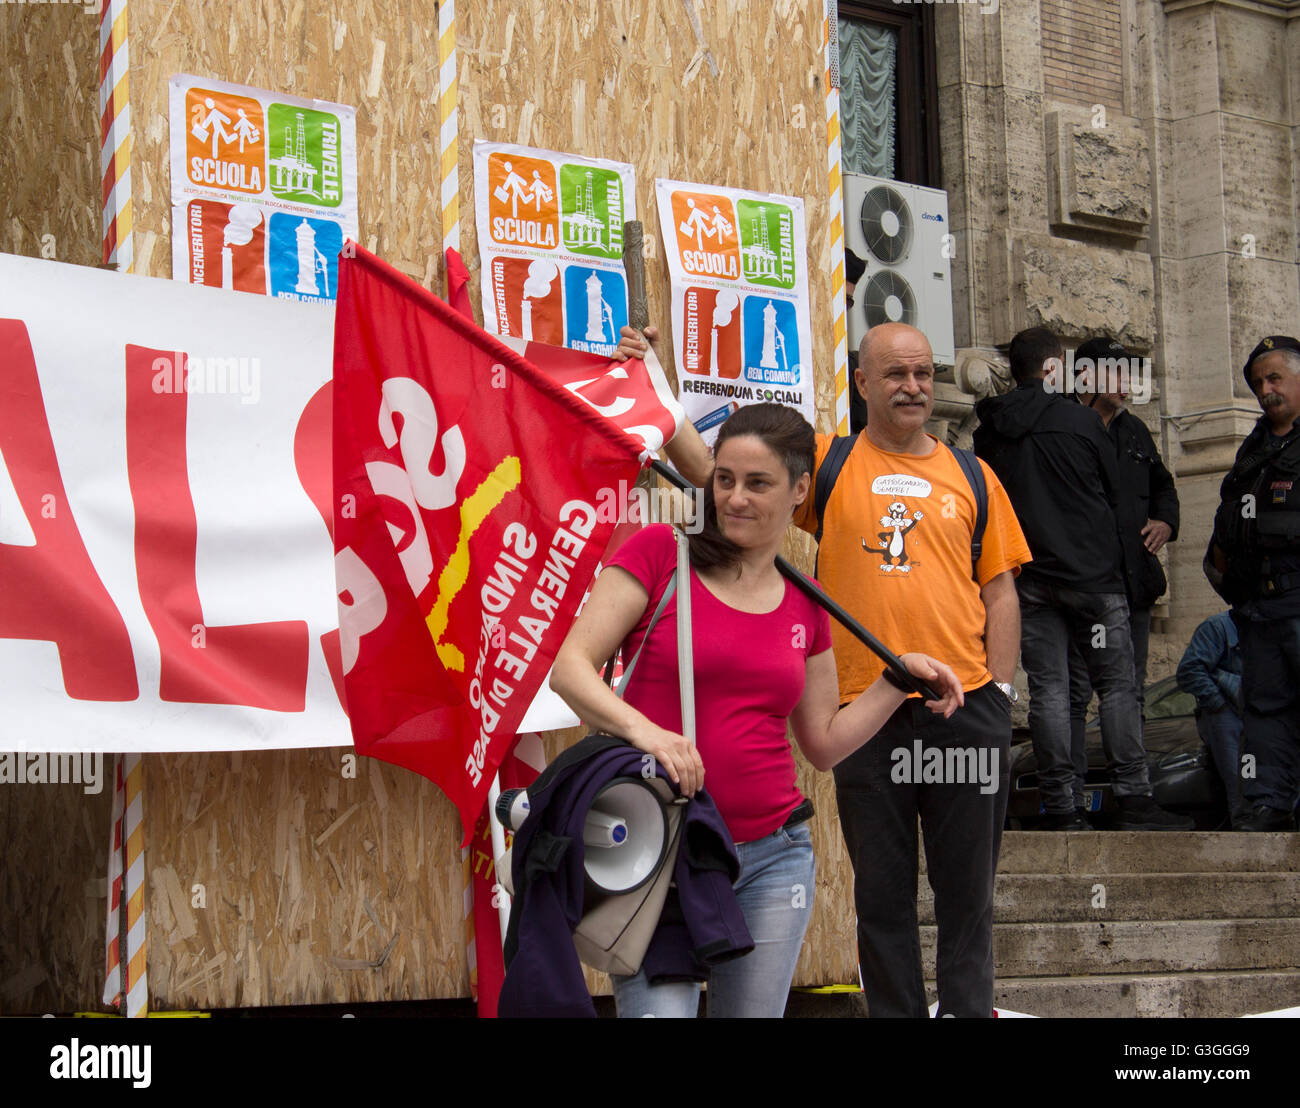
pixel 749 676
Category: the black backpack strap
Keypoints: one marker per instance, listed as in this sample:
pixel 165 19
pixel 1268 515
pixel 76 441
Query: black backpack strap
pixel 828 473
pixel 970 466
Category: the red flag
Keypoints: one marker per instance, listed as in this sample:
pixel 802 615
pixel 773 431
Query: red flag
pixel 465 528
pixel 458 284
pixel 634 395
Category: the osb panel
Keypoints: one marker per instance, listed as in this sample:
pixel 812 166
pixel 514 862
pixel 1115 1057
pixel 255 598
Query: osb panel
pixel 381 58
pixel 308 877
pixel 277 878
pixel 52 881
pixel 49 132
pixel 632 80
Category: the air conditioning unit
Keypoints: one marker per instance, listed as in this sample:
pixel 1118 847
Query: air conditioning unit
pixel 900 231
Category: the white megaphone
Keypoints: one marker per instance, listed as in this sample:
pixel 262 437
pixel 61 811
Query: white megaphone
pixel 626 832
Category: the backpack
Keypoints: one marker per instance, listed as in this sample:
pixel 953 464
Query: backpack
pixel 841 446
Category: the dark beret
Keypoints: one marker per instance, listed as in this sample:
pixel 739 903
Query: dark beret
pixel 1269 345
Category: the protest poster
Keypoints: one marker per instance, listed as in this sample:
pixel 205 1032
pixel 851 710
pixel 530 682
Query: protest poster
pixel 264 189
pixel 741 331
pixel 550 236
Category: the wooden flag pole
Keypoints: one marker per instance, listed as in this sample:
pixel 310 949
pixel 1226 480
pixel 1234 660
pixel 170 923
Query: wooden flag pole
pixel 638 314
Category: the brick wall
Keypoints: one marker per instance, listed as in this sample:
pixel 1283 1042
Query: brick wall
pixel 1082 52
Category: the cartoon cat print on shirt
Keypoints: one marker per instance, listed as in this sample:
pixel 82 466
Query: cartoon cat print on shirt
pixel 890 541
pixel 895 544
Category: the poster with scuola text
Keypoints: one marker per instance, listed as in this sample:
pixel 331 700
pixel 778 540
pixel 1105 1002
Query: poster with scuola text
pixel 550 234
pixel 264 189
pixel 738 262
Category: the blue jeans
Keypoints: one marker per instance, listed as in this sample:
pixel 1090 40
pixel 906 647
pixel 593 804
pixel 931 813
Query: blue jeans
pixel 775 891
pixel 1221 732
pixel 1053 617
pixel 1139 625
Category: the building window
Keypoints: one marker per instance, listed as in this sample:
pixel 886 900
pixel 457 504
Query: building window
pixel 887 90
pixel 868 97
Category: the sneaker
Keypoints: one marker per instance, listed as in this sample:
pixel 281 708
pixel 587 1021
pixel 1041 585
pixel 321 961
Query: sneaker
pixel 1141 813
pixel 1261 817
pixel 1063 821
pixel 1082 813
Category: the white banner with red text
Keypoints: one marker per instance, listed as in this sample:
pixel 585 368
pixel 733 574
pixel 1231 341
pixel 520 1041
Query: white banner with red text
pixel 164 489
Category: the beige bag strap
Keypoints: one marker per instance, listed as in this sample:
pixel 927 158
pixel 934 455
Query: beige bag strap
pixel 685 658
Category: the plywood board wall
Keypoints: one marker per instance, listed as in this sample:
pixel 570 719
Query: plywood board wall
pixel 726 92
pixel 52 887
pixel 56 836
pixel 275 878
pixel 382 58
pixel 49 132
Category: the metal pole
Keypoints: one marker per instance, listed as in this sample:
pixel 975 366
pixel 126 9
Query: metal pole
pixel 817 596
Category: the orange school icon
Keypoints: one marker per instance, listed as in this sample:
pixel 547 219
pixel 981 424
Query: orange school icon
pixel 225 144
pixel 706 235
pixel 523 202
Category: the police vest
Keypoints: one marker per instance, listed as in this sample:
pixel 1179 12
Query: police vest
pixel 1272 475
pixel 1259 517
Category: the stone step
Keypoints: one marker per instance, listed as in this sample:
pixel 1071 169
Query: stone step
pixel 1136 947
pixel 1196 995
pixel 1073 897
pixel 1190 995
pixel 1096 852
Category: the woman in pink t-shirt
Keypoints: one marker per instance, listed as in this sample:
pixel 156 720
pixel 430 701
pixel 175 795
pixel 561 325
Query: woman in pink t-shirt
pixel 762 656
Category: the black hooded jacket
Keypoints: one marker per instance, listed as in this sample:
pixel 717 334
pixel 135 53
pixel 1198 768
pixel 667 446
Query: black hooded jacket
pixel 1059 467
pixel 1147 492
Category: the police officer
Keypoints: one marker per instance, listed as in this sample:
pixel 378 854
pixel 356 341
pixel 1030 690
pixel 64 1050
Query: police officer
pixel 1253 562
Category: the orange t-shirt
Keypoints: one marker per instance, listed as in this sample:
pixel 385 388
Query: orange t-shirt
pixel 895 551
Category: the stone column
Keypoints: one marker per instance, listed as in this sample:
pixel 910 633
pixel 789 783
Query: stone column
pixel 1218 81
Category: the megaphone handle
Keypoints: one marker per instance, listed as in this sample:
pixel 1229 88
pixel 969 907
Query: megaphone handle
pixel 498 852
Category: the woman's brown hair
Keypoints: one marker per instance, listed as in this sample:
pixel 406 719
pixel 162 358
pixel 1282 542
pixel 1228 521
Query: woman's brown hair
pixel 783 431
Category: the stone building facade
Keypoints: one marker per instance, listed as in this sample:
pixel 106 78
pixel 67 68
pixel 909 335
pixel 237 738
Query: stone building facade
pixel 1127 166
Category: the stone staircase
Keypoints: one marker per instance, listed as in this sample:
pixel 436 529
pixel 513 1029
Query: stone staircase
pixel 1142 924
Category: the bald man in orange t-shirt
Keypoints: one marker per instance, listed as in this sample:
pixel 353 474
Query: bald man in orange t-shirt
pixel 896 552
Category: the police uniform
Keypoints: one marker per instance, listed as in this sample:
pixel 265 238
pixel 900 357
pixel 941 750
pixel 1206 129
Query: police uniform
pixel 1257 528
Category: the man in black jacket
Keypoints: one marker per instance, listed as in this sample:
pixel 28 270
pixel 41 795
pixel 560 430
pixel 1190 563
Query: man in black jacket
pixel 1253 562
pixel 1107 374
pixel 1060 470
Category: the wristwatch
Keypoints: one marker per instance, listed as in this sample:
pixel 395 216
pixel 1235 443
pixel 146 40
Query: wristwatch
pixel 1009 691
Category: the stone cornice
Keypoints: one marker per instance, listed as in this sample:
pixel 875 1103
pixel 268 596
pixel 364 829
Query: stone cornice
pixel 1279 9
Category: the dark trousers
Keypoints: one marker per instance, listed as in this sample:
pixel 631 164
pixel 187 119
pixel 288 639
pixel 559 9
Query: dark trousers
pixel 961 823
pixel 1221 732
pixel 1270 688
pixel 1052 618
pixel 1139 622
